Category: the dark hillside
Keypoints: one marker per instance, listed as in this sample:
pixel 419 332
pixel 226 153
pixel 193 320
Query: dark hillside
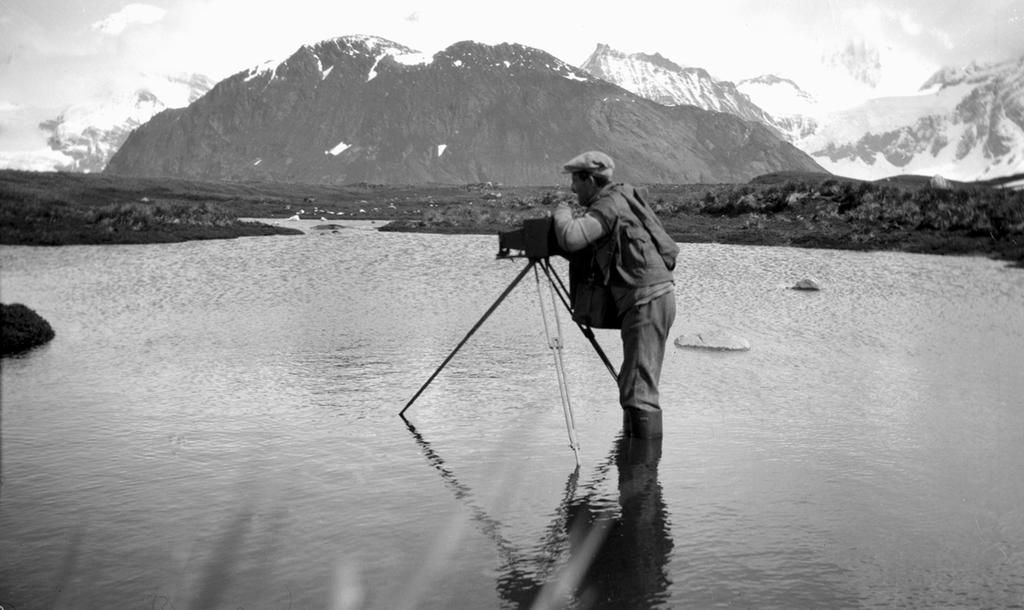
pixel 348 111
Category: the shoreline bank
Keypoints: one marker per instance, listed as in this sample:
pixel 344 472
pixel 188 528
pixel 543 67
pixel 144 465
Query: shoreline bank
pixel 907 214
pixel 694 229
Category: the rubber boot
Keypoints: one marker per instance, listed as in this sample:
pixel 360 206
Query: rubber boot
pixel 637 423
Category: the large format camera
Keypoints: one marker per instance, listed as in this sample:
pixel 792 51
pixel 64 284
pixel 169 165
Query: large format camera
pixel 535 239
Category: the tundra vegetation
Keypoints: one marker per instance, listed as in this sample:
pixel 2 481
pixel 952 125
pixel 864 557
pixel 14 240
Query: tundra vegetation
pixel 909 213
pixel 65 209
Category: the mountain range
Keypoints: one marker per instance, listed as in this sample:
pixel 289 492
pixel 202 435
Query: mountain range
pixel 365 109
pixel 965 123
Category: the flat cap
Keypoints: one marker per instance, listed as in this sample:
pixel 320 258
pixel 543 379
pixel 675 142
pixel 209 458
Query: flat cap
pixel 592 161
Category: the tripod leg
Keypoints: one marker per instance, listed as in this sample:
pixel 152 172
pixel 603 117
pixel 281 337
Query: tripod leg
pixel 476 326
pixel 556 282
pixel 556 347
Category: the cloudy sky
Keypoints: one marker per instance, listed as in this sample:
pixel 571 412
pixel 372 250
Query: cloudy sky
pixel 57 52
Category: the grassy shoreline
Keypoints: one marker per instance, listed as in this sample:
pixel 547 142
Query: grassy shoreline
pixel 55 209
pixel 802 210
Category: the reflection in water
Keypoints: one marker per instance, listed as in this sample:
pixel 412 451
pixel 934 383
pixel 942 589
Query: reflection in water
pixel 596 552
pixel 629 566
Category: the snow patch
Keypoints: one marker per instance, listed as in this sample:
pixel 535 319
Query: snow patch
pixel 413 59
pixel 337 150
pixel 270 66
pixel 406 59
pixel 324 73
pixel 373 69
pixel 441 148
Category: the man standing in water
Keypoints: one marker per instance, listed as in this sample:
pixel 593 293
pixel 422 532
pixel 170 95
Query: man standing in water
pixel 622 241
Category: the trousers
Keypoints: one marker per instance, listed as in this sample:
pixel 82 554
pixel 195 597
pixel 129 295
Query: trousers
pixel 644 333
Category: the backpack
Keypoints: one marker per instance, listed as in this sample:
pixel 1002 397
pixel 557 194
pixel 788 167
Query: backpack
pixel 666 246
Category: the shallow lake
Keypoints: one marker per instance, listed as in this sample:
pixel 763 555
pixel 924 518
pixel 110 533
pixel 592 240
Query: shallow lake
pixel 216 425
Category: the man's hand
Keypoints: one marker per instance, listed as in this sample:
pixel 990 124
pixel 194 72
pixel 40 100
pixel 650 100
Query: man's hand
pixel 575 233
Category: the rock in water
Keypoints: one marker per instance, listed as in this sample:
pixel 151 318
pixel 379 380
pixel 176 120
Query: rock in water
pixel 806 284
pixel 21 329
pixel 713 340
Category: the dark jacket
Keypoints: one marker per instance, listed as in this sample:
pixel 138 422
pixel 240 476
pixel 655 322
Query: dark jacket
pixel 628 252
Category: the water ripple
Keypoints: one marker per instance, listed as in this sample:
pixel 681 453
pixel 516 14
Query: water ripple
pixel 218 421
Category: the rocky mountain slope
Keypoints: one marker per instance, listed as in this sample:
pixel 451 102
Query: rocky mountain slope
pixel 364 109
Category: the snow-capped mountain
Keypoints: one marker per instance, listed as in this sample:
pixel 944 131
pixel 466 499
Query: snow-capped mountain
pixel 778 96
pixel 365 109
pixel 87 135
pixel 792 110
pixel 965 123
pixel 662 81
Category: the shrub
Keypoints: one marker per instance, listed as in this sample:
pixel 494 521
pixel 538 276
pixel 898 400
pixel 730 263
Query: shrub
pixel 1006 214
